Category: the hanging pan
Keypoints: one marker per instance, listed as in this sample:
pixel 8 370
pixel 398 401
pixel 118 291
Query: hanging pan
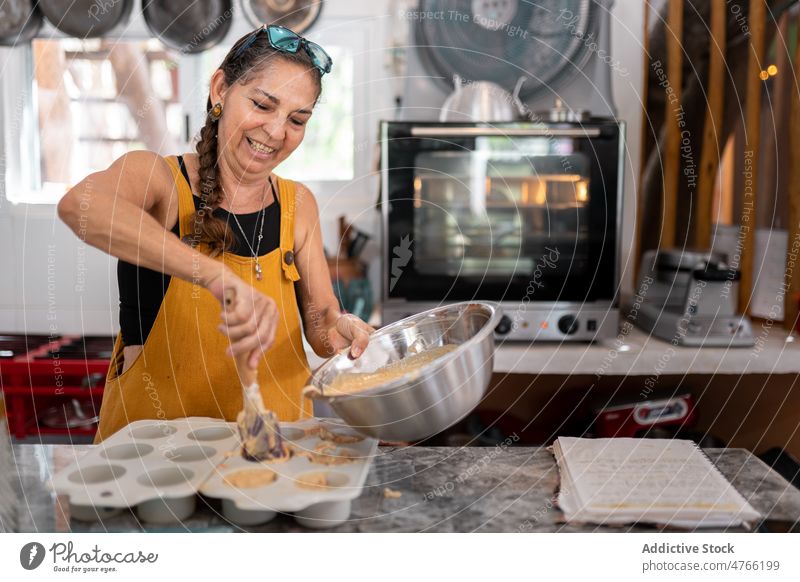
pixel 188 25
pixel 298 15
pixel 87 18
pixel 20 21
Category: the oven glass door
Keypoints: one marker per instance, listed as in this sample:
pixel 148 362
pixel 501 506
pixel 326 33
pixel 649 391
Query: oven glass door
pixel 501 213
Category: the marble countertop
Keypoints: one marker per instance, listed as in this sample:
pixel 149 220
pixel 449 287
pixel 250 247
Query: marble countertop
pixel 443 489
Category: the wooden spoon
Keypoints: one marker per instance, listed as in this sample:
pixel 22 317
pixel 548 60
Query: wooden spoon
pixel 259 429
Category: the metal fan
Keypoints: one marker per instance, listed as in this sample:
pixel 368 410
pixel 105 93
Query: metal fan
pixel 297 15
pixel 499 40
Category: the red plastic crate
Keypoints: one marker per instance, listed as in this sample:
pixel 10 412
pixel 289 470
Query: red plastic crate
pixel 31 385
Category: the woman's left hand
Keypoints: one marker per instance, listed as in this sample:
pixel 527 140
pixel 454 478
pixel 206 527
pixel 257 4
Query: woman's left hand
pixel 350 331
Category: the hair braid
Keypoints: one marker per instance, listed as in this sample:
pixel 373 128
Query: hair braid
pixel 205 226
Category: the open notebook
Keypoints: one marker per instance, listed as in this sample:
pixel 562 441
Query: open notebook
pixel 624 480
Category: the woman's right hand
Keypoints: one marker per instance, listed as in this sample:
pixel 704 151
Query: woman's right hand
pixel 253 320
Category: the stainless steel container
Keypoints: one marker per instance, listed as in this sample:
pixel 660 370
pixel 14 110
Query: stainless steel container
pixel 428 399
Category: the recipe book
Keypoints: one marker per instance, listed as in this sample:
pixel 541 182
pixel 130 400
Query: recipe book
pixel 663 481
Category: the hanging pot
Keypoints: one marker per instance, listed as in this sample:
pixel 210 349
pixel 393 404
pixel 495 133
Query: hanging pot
pixel 20 21
pixel 482 101
pixel 189 26
pixel 87 18
pixel 297 15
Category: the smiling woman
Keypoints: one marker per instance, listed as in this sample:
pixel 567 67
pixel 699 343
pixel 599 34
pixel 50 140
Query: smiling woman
pixel 222 220
pixel 332 136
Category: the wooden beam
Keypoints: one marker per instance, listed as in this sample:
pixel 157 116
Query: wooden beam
pixel 672 140
pixel 773 132
pixel 790 299
pixel 747 211
pixel 640 194
pixel 713 135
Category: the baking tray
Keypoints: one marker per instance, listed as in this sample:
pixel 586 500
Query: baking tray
pixel 345 466
pixel 158 468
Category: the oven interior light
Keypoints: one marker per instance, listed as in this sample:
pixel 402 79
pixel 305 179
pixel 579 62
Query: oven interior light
pixel 563 177
pixel 540 197
pixel 582 191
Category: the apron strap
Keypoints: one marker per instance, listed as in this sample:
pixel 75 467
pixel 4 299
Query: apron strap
pixel 185 197
pixel 288 192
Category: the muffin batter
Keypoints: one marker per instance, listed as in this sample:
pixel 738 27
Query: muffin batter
pixel 249 478
pixel 315 481
pixel 354 382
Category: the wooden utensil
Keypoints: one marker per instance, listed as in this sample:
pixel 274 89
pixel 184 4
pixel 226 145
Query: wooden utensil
pixel 247 375
pixel 258 427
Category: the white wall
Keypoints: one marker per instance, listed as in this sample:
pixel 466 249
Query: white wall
pixel 48 278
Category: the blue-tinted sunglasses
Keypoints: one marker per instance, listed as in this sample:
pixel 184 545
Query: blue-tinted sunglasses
pixel 288 41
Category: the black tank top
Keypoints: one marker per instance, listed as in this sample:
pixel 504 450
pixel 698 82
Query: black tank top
pixel 142 290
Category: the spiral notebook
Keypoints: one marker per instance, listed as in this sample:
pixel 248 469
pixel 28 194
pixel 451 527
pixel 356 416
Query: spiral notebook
pixel 663 481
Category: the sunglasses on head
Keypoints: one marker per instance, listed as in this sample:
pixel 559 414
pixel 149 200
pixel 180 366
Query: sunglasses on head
pixel 288 41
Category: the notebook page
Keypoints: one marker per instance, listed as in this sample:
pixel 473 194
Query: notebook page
pixel 668 480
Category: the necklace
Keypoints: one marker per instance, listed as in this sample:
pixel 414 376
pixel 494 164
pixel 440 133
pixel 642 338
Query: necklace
pixel 254 251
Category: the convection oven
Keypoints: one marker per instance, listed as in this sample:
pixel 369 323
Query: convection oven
pixel 523 214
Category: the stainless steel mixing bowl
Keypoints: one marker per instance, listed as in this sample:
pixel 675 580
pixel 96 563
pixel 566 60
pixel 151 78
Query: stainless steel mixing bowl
pixel 430 398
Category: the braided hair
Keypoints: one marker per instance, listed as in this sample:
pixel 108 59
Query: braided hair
pixel 207 228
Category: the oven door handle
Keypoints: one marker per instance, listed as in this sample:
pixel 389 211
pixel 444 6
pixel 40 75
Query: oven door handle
pixel 424 131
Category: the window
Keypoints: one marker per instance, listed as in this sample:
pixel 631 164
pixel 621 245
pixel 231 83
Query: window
pixel 95 100
pixel 77 105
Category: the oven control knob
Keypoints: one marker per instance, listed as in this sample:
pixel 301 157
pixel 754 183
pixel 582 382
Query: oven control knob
pixel 568 324
pixel 504 326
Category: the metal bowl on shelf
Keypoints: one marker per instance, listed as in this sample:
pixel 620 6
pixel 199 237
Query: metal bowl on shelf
pixel 426 399
pixel 68 414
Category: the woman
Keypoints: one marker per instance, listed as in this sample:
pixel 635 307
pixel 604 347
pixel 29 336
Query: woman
pixel 188 229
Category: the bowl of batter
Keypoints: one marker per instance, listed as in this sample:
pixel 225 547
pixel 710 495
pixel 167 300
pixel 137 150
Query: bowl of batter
pixel 417 377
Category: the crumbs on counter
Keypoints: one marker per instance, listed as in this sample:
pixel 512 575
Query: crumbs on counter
pixel 389 493
pixel 339 437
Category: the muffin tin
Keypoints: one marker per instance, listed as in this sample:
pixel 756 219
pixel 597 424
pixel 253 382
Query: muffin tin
pixel 158 467
pixel 316 508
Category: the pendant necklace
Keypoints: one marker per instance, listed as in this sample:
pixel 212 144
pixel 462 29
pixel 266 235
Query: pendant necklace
pixel 254 251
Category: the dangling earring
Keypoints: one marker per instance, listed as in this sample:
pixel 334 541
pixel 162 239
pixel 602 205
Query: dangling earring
pixel 216 111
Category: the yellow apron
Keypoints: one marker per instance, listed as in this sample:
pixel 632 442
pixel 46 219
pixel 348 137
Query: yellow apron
pixel 183 369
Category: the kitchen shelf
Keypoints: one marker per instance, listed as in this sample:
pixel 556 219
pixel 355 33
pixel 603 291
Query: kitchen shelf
pixel 40 390
pixel 52 371
pixel 647 355
pixel 564 359
pixel 33 431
